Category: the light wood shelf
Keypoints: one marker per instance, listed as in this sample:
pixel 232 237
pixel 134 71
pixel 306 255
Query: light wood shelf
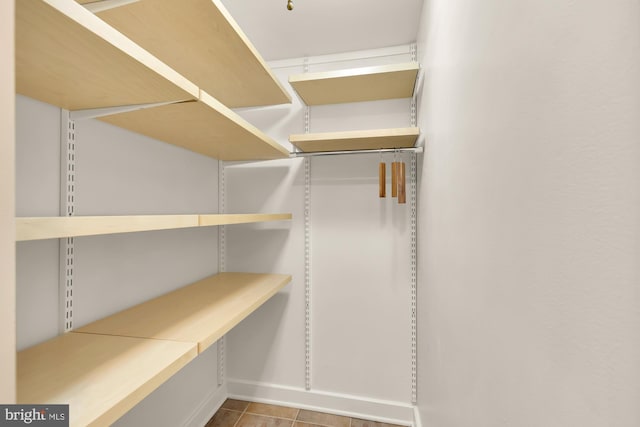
pixel 356 140
pixel 101 377
pixel 199 313
pixel 356 84
pixel 228 219
pixel 105 368
pixel 68 57
pixel 205 126
pixel 38 228
pixel 200 40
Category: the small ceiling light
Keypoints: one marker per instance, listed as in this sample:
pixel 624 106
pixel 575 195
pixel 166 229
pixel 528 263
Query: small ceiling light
pixel 290 4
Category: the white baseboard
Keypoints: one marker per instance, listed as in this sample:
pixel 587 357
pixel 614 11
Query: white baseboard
pixel 334 403
pixel 417 420
pixel 209 406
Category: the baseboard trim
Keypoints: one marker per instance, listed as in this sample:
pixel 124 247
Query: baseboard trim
pixel 417 420
pixel 334 403
pixel 209 406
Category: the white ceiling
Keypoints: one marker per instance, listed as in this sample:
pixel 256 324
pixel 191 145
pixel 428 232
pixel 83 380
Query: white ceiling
pixel 320 27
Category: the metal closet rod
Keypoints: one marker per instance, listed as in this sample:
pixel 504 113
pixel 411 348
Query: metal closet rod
pixel 339 153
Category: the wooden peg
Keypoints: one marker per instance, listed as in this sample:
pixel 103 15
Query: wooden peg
pixel 402 194
pixel 382 176
pixel 394 179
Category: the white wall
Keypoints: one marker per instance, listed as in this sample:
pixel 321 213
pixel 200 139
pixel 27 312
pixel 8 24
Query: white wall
pixel 7 193
pixel 529 217
pixel 117 172
pixel 360 330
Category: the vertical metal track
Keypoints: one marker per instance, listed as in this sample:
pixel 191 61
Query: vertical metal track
pixel 307 271
pixel 413 201
pixel 414 108
pixel 222 253
pixel 307 109
pixel 413 206
pixel 307 249
pixel 67 208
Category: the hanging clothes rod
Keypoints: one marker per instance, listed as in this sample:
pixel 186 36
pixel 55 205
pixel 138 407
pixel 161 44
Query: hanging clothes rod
pixel 295 154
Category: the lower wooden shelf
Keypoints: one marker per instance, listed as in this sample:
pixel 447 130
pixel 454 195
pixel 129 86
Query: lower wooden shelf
pixel 38 228
pixel 199 313
pixel 105 368
pixel 375 139
pixel 101 377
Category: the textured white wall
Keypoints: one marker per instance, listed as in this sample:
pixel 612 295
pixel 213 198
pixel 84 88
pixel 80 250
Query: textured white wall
pixel 117 173
pixel 7 193
pixel 529 300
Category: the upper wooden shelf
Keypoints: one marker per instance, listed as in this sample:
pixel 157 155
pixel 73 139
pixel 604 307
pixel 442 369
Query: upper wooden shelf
pixel 199 313
pixel 205 126
pixel 200 40
pixel 68 57
pixel 356 140
pixel 356 84
pixel 101 377
pixel 38 228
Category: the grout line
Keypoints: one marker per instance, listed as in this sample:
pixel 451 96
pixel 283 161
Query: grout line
pixel 272 416
pixel 241 415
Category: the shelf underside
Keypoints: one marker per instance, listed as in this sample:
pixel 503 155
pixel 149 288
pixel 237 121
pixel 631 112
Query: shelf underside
pixel 105 368
pixel 200 40
pixel 356 140
pixel 206 127
pixel 199 313
pixel 68 57
pixel 357 84
pixel 38 228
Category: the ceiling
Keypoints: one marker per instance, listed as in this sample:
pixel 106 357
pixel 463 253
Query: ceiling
pixel 320 27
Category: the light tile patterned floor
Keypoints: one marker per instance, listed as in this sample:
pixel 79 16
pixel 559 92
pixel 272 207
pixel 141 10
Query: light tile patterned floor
pixel 240 413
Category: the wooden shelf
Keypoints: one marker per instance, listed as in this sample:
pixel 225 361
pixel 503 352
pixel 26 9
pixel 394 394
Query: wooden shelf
pixel 228 219
pixel 199 313
pixel 68 57
pixel 356 84
pixel 101 377
pixel 38 228
pixel 356 140
pixel 206 127
pixel 200 40
pixel 105 368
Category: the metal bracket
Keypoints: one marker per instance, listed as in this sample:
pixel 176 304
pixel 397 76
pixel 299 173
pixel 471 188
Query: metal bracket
pixel 67 208
pixel 94 113
pixel 100 5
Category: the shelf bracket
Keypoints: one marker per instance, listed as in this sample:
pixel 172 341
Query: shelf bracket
pixel 101 5
pixel 94 113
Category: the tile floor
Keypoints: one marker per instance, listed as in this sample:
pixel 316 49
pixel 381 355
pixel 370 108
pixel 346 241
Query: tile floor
pixel 240 413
